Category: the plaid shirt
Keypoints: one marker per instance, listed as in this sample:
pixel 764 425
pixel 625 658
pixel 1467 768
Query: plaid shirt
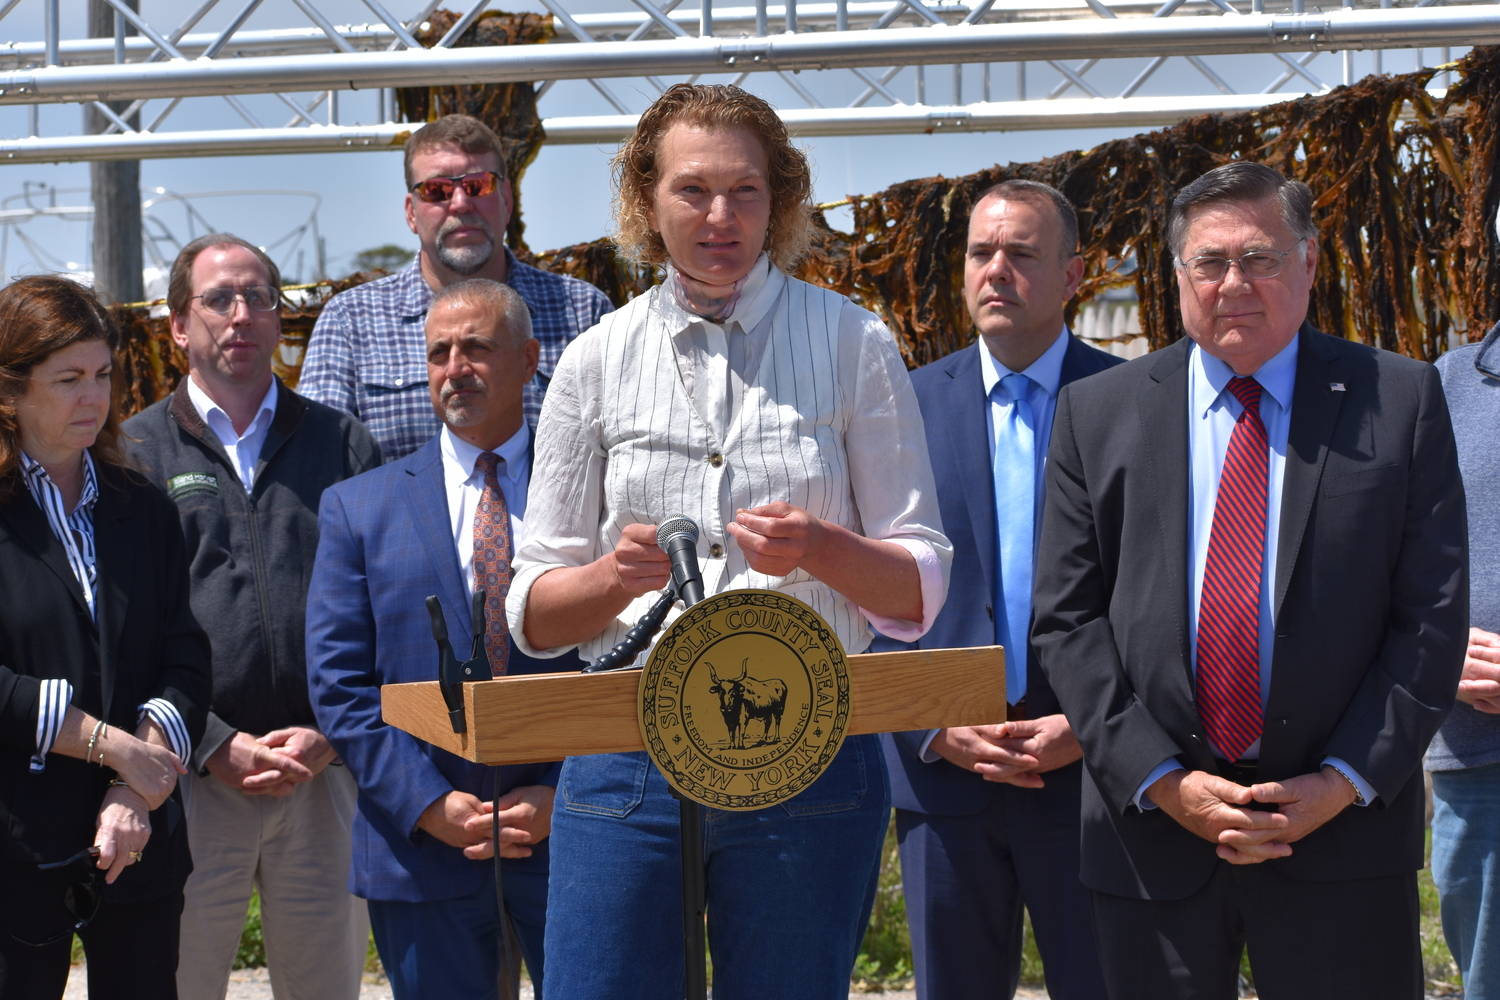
pixel 368 352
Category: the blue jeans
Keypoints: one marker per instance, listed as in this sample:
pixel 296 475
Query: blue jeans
pixel 789 888
pixel 449 949
pixel 1465 866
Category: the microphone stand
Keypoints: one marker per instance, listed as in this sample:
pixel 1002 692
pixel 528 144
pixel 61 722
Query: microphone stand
pixel 452 673
pixel 690 813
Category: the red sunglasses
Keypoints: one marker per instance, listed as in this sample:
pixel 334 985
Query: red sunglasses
pixel 440 189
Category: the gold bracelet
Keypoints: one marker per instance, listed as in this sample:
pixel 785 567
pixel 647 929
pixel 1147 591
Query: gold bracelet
pixel 101 728
pixel 1359 798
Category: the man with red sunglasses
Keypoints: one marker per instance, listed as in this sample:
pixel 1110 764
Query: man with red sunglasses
pixel 367 355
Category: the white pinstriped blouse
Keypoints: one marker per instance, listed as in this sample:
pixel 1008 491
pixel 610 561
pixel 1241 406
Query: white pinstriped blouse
pixel 799 396
pixel 75 530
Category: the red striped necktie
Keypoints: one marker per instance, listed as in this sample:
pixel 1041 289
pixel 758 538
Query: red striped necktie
pixel 1228 678
pixel 493 550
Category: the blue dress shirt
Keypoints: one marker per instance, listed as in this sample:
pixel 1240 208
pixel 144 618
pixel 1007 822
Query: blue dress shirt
pixel 1212 414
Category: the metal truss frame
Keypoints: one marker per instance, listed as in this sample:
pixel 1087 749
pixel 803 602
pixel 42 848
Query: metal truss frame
pixel 873 40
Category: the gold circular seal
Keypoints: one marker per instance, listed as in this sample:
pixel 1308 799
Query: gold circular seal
pixel 745 699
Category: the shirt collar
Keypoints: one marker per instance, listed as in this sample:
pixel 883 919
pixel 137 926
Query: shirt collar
pixel 36 478
pixel 208 409
pixel 1045 371
pixel 1278 376
pixel 763 286
pixel 460 456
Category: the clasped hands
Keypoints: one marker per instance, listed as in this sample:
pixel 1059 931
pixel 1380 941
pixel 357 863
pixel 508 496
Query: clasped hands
pixel 459 819
pixel 273 764
pixel 1218 810
pixel 1013 753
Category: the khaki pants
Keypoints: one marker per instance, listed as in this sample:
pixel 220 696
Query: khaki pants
pixel 295 852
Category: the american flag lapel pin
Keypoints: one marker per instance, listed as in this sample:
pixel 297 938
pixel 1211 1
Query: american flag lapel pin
pixel 1336 386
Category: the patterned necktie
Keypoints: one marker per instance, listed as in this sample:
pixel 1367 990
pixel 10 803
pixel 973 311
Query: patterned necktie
pixel 1228 679
pixel 1015 521
pixel 492 555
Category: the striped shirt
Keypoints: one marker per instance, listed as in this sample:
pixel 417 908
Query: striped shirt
pixel 799 396
pixel 368 352
pixel 75 530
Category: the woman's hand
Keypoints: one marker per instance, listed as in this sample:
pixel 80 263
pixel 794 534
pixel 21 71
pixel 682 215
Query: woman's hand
pixel 881 577
pixel 150 770
pixel 638 564
pixel 573 604
pixel 778 537
pixel 121 832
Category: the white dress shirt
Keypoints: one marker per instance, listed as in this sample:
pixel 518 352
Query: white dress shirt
pixel 464 484
pixel 1212 414
pixel 243 449
pixel 799 395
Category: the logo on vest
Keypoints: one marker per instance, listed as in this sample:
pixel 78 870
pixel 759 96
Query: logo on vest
pixel 745 700
pixel 192 484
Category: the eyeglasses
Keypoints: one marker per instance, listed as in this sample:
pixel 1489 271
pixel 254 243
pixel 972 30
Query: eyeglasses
pixel 1210 270
pixel 261 298
pixel 440 189
pixel 81 899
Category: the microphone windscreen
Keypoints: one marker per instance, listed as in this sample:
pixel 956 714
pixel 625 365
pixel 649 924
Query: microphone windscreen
pixel 676 526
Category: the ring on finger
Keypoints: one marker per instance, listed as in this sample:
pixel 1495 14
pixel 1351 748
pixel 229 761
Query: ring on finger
pixel 135 856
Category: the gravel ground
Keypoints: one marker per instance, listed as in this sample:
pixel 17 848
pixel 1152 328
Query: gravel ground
pixel 254 984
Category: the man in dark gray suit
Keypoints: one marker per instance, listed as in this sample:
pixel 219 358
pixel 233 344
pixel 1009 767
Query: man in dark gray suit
pixel 1250 601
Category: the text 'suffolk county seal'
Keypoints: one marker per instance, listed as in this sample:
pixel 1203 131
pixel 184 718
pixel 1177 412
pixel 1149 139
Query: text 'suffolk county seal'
pixel 745 699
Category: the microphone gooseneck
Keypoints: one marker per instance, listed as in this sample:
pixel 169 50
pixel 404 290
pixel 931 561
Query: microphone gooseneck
pixel 677 536
pixel 638 638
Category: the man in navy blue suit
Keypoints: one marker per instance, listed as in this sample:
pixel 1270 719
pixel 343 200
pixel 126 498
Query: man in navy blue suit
pixel 988 816
pixel 433 523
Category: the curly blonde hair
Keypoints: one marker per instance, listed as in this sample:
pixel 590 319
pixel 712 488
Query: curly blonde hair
pixel 712 107
pixel 39 316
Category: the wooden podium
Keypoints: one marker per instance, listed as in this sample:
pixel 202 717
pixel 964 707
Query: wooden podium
pixel 540 717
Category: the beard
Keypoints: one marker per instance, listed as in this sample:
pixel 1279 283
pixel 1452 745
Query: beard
pixel 467 259
pixel 458 413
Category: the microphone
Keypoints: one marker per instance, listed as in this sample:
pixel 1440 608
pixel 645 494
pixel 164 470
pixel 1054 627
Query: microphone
pixel 677 536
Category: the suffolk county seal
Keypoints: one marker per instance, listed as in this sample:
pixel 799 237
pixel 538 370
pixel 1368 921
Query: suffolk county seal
pixel 745 699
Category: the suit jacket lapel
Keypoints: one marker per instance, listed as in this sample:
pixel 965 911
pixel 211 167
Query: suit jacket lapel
pixel 968 425
pixel 114 554
pixel 1162 410
pixel 427 498
pixel 29 525
pixel 1315 411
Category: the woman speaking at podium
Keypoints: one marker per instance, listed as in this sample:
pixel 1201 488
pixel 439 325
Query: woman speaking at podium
pixel 780 418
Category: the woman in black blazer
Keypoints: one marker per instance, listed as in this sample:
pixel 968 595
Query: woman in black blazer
pixel 104 673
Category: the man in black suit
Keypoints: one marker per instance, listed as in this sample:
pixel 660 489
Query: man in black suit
pixel 1250 599
pixel 987 816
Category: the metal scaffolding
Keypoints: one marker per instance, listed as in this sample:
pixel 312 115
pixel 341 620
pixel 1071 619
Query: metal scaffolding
pixel 810 50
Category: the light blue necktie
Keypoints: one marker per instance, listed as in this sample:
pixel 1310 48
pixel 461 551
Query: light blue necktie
pixel 1015 516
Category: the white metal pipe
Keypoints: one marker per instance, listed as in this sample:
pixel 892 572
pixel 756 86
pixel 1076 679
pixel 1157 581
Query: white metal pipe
pixel 1123 37
pixel 727 20
pixel 279 41
pixel 1006 116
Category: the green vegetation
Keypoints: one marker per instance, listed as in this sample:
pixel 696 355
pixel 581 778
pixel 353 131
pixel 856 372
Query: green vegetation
pixel 390 258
